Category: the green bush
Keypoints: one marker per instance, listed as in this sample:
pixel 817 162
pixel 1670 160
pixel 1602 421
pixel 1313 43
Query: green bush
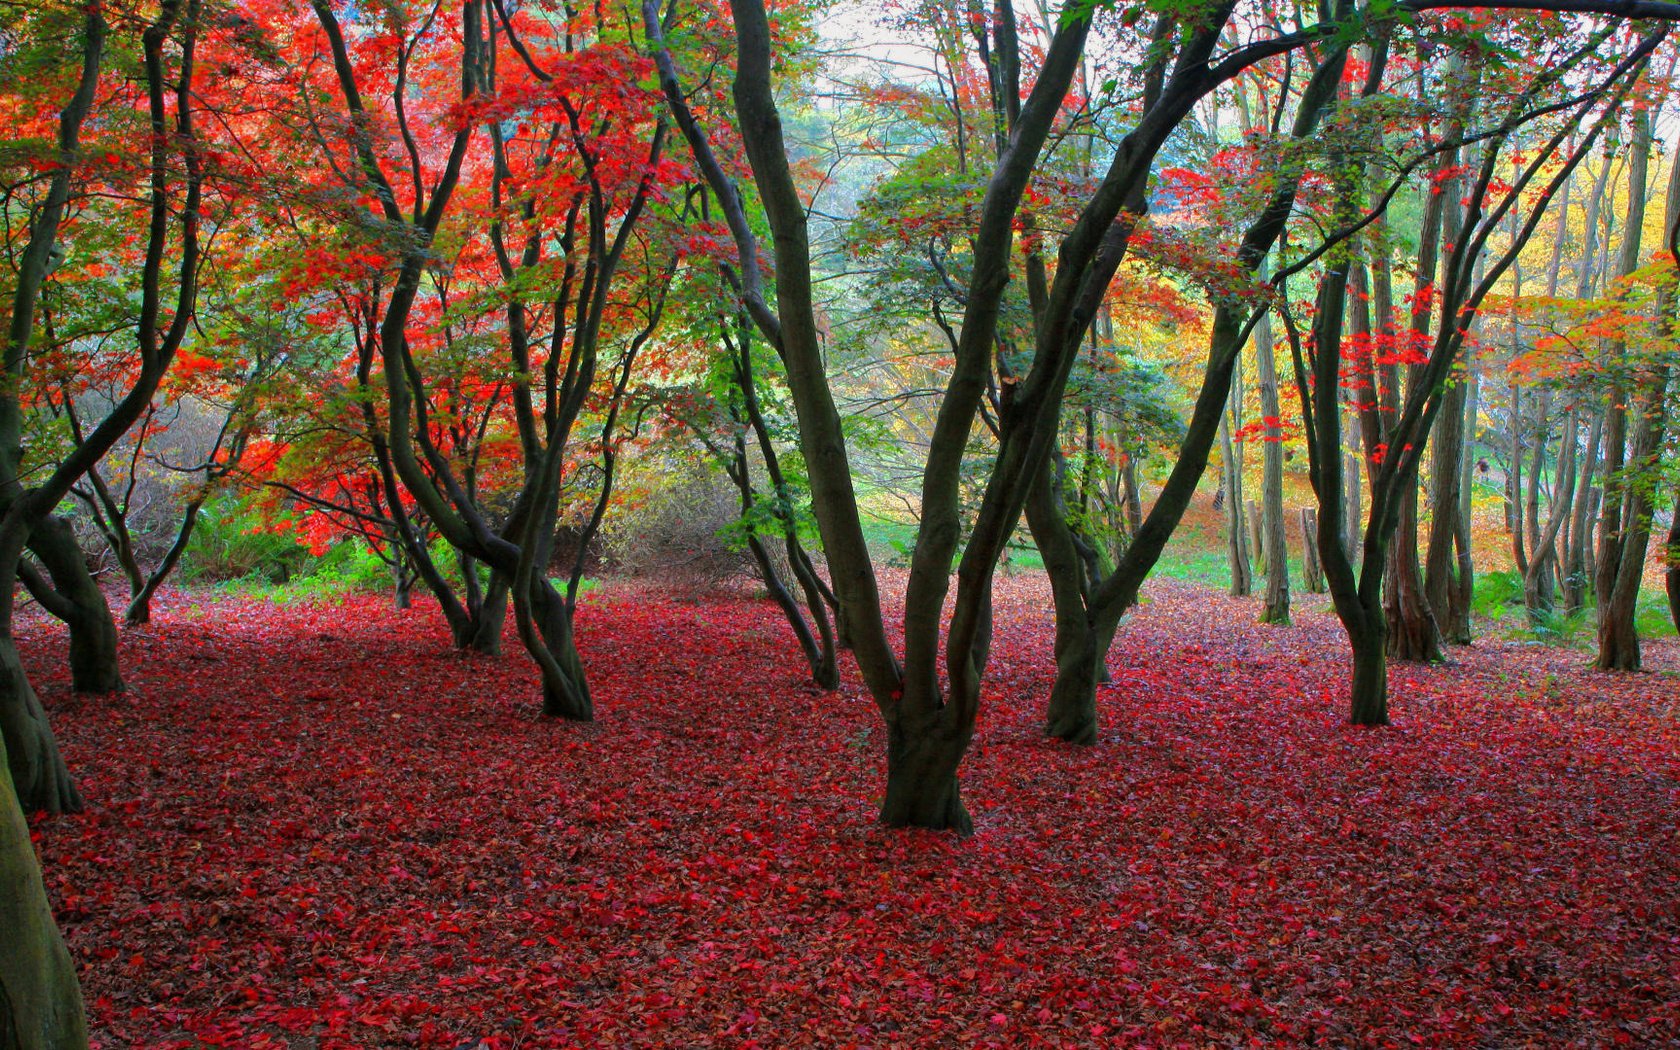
pixel 1651 618
pixel 1566 630
pixel 232 543
pixel 1496 593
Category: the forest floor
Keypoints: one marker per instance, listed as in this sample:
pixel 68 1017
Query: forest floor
pixel 313 825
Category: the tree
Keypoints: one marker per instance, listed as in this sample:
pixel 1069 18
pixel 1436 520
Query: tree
pixel 1467 282
pixel 578 188
pixel 41 1005
pixel 929 716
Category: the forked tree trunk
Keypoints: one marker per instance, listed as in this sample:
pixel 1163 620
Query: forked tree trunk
pixel 94 667
pixel 1412 632
pixel 922 761
pixel 565 689
pixel 479 628
pixel 40 999
pixel 139 609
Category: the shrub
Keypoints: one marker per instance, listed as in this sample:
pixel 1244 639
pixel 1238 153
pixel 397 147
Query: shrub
pixel 1495 593
pixel 232 543
pixel 675 525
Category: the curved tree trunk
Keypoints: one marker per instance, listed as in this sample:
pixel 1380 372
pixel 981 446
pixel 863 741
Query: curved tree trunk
pixel 39 775
pixel 1072 713
pixel 93 632
pixel 139 609
pixel 565 689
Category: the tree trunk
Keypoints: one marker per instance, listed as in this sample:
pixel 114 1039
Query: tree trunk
pixel 1671 563
pixel 40 999
pixel 1312 570
pixel 93 632
pixel 1256 534
pixel 1072 714
pixel 565 689
pixel 39 775
pixel 1236 530
pixel 1446 452
pixel 1464 586
pixel 922 763
pixel 1577 571
pixel 402 585
pixel 1370 673
pixel 1353 515
pixel 1413 634
pixel 1628 492
pixel 1274 545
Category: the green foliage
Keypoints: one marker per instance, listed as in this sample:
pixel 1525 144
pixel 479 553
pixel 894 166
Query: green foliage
pixel 1651 616
pixel 1564 629
pixel 1496 594
pixel 232 542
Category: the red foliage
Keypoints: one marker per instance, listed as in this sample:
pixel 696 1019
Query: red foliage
pixel 314 825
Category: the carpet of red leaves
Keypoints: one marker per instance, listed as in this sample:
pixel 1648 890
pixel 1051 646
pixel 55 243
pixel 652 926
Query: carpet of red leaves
pixel 315 826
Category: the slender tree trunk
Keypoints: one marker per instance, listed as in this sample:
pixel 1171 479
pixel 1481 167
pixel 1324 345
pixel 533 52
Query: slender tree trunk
pixel 1276 545
pixel 1312 569
pixel 1072 714
pixel 1626 524
pixel 1538 580
pixel 402 586
pixel 139 609
pixel 1236 529
pixel 1577 573
pixel 1446 456
pixel 1537 568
